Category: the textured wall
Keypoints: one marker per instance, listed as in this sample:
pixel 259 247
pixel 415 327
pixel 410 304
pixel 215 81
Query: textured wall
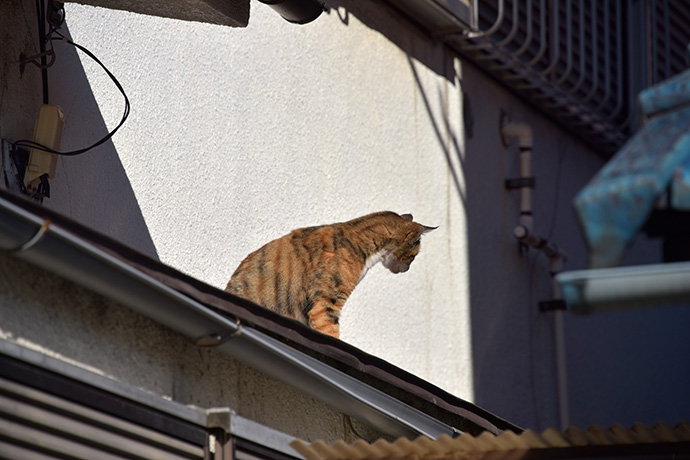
pixel 238 136
pixel 46 313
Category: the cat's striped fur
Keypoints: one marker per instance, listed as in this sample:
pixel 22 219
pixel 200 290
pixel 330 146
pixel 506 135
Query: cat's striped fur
pixel 309 273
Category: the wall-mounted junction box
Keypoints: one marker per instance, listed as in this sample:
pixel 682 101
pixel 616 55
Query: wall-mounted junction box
pixel 47 132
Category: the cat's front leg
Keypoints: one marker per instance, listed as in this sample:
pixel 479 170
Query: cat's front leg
pixel 324 317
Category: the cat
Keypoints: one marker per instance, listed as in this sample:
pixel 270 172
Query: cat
pixel 309 273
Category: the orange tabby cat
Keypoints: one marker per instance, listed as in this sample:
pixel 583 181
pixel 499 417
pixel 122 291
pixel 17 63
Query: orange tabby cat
pixel 309 273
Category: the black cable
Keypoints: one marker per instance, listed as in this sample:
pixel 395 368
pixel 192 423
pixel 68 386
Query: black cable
pixel 40 14
pixel 36 145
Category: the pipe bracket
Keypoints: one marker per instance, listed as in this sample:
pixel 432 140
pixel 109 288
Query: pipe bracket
pixel 213 340
pixel 520 182
pixel 38 236
pixel 553 305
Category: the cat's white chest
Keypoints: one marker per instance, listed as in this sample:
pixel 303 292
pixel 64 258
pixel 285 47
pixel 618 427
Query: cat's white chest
pixel 370 262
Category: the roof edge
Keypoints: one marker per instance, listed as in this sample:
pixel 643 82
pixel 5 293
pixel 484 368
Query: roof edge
pixel 40 242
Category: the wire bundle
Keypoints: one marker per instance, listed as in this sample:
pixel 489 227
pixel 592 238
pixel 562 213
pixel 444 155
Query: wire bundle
pixel 56 18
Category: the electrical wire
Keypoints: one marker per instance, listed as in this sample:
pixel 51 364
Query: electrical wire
pixel 50 37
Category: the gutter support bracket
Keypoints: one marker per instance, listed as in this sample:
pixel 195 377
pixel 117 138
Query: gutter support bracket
pixel 213 340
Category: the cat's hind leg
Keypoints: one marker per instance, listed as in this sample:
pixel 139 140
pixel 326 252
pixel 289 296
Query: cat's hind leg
pixel 325 316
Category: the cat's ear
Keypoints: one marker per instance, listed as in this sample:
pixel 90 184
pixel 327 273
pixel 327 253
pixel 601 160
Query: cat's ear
pixel 406 216
pixel 424 229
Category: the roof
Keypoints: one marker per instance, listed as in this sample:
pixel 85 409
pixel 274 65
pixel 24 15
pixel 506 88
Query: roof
pixel 44 237
pixel 594 442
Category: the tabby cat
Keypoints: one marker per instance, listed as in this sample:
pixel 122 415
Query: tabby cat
pixel 309 273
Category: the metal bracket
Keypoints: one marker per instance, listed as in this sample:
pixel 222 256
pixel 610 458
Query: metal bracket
pixel 38 236
pixel 13 165
pixel 213 340
pixel 35 60
pixel 520 182
pixel 552 305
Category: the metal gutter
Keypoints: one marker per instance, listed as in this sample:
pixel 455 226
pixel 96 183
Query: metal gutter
pixel 589 291
pixel 30 238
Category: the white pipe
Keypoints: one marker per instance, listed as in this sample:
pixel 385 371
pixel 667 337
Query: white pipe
pixel 561 369
pixel 523 133
pixel 556 266
pixel 525 234
pixel 608 289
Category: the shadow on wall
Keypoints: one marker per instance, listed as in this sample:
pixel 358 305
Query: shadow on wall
pixel 511 341
pixel 429 53
pixel 621 368
pixel 93 187
pixel 499 283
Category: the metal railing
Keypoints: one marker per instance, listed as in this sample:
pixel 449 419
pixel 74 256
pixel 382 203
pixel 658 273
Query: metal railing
pixel 582 62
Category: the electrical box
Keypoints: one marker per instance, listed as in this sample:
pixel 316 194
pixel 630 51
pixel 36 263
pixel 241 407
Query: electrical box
pixel 47 132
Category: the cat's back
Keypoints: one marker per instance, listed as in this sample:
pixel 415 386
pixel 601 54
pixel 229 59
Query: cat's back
pixel 275 275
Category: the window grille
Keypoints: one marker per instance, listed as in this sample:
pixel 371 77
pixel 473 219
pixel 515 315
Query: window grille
pixel 582 62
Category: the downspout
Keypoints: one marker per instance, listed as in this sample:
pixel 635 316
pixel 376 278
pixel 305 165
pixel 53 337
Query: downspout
pixel 524 233
pixel 556 267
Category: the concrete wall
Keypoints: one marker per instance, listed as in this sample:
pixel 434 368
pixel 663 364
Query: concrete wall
pixel 48 314
pixel 237 136
pixel 622 367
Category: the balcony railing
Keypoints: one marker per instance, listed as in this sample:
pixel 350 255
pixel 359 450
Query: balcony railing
pixel 582 62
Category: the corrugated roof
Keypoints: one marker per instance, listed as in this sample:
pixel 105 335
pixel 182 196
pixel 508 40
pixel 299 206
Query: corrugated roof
pixel 617 441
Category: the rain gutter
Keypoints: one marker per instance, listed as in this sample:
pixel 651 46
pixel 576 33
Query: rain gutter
pixel 34 240
pixel 605 289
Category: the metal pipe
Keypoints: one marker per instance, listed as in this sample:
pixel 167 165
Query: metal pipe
pixel 595 56
pixel 667 40
pixel 556 266
pixel 505 41
pixel 523 232
pixel 632 92
pixel 542 44
pixel 73 258
pixel 513 30
pixel 555 58
pixel 526 237
pixel 651 11
pixel 581 78
pixel 542 34
pixel 492 30
pixel 556 39
pixel 606 289
pixel 607 60
pixel 475 14
pixel 619 64
pixel 561 369
pixel 523 133
pixel 569 43
pixel 528 38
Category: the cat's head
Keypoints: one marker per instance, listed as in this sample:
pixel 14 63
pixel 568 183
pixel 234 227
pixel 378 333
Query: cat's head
pixel 399 258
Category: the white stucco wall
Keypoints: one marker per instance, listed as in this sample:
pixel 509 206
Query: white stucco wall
pixel 238 136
